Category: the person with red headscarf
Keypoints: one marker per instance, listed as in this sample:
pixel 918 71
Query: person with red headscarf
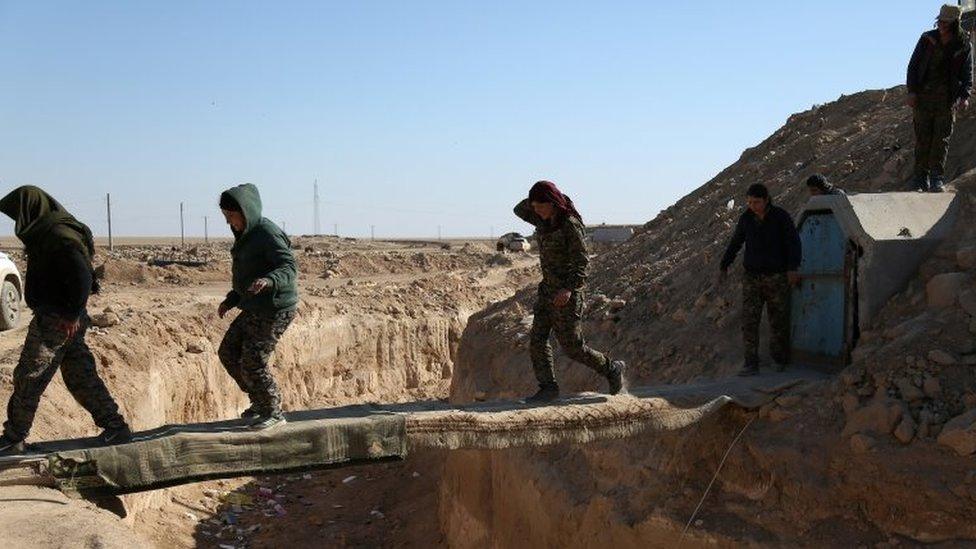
pixel 559 234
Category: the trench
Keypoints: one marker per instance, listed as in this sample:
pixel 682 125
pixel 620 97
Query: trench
pixel 366 345
pixel 322 361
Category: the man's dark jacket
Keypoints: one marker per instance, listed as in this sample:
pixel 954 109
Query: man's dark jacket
pixel 772 245
pixel 261 250
pixel 960 64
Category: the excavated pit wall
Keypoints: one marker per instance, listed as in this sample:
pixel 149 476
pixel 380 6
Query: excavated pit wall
pixel 161 364
pixel 322 360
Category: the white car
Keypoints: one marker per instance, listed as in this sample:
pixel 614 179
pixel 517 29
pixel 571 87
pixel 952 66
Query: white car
pixel 11 293
pixel 512 242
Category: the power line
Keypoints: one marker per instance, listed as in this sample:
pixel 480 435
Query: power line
pixel 316 205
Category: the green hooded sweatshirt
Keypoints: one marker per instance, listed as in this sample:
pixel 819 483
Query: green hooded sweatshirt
pixel 261 250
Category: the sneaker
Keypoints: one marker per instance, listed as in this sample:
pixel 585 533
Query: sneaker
pixel 920 183
pixel 115 435
pixel 265 422
pixel 10 447
pixel 615 377
pixel 250 413
pixel 546 393
pixel 936 184
pixel 749 370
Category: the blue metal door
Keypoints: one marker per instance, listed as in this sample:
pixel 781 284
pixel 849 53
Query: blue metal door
pixel 819 304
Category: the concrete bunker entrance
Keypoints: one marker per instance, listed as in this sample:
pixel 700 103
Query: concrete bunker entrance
pixel 824 316
pixel 858 251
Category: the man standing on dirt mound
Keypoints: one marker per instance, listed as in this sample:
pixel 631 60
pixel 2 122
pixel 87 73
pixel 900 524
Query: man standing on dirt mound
pixel 59 281
pixel 265 289
pixel 559 306
pixel 771 261
pixel 940 80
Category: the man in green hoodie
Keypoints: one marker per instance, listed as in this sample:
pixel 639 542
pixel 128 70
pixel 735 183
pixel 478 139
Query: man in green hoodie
pixel 59 281
pixel 265 289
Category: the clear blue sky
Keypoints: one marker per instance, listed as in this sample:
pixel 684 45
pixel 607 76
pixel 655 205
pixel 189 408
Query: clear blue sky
pixel 414 114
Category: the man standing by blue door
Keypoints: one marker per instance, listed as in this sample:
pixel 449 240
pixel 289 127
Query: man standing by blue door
pixel 771 261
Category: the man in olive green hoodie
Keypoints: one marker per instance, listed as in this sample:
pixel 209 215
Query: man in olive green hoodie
pixel 265 290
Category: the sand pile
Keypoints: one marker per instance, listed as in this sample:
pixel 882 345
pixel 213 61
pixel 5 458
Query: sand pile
pixel 864 457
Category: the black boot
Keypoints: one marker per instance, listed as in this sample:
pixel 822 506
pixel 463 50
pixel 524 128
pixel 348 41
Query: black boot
pixel 11 447
pixel 115 435
pixel 749 370
pixel 615 377
pixel 547 392
pixel 263 422
pixel 936 184
pixel 920 183
pixel 249 413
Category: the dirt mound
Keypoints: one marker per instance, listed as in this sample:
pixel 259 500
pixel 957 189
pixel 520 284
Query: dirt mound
pixel 858 457
pixel 122 271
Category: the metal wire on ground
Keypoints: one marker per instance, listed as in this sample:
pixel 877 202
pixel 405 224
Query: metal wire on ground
pixel 715 476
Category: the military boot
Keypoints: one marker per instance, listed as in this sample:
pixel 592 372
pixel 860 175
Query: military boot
pixel 920 183
pixel 749 370
pixel 11 447
pixel 250 413
pixel 547 392
pixel 615 377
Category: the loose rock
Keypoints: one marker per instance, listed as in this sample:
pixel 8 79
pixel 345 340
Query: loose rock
pixel 939 356
pixel 879 417
pixel 943 289
pixel 906 429
pixel 105 320
pixel 862 444
pixel 960 434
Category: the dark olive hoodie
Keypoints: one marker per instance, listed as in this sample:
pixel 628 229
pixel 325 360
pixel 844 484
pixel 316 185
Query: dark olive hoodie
pixel 261 250
pixel 59 253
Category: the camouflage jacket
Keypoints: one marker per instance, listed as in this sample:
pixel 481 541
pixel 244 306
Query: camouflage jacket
pixel 562 249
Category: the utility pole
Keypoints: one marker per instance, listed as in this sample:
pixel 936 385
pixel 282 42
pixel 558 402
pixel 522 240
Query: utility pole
pixel 372 232
pixel 182 234
pixel 335 229
pixel 438 232
pixel 206 237
pixel 108 207
pixel 316 205
pixel 491 233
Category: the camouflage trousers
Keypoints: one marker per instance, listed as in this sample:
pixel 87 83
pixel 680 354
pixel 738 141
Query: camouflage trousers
pixel 933 121
pixel 566 322
pixel 773 291
pixel 246 351
pixel 45 350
